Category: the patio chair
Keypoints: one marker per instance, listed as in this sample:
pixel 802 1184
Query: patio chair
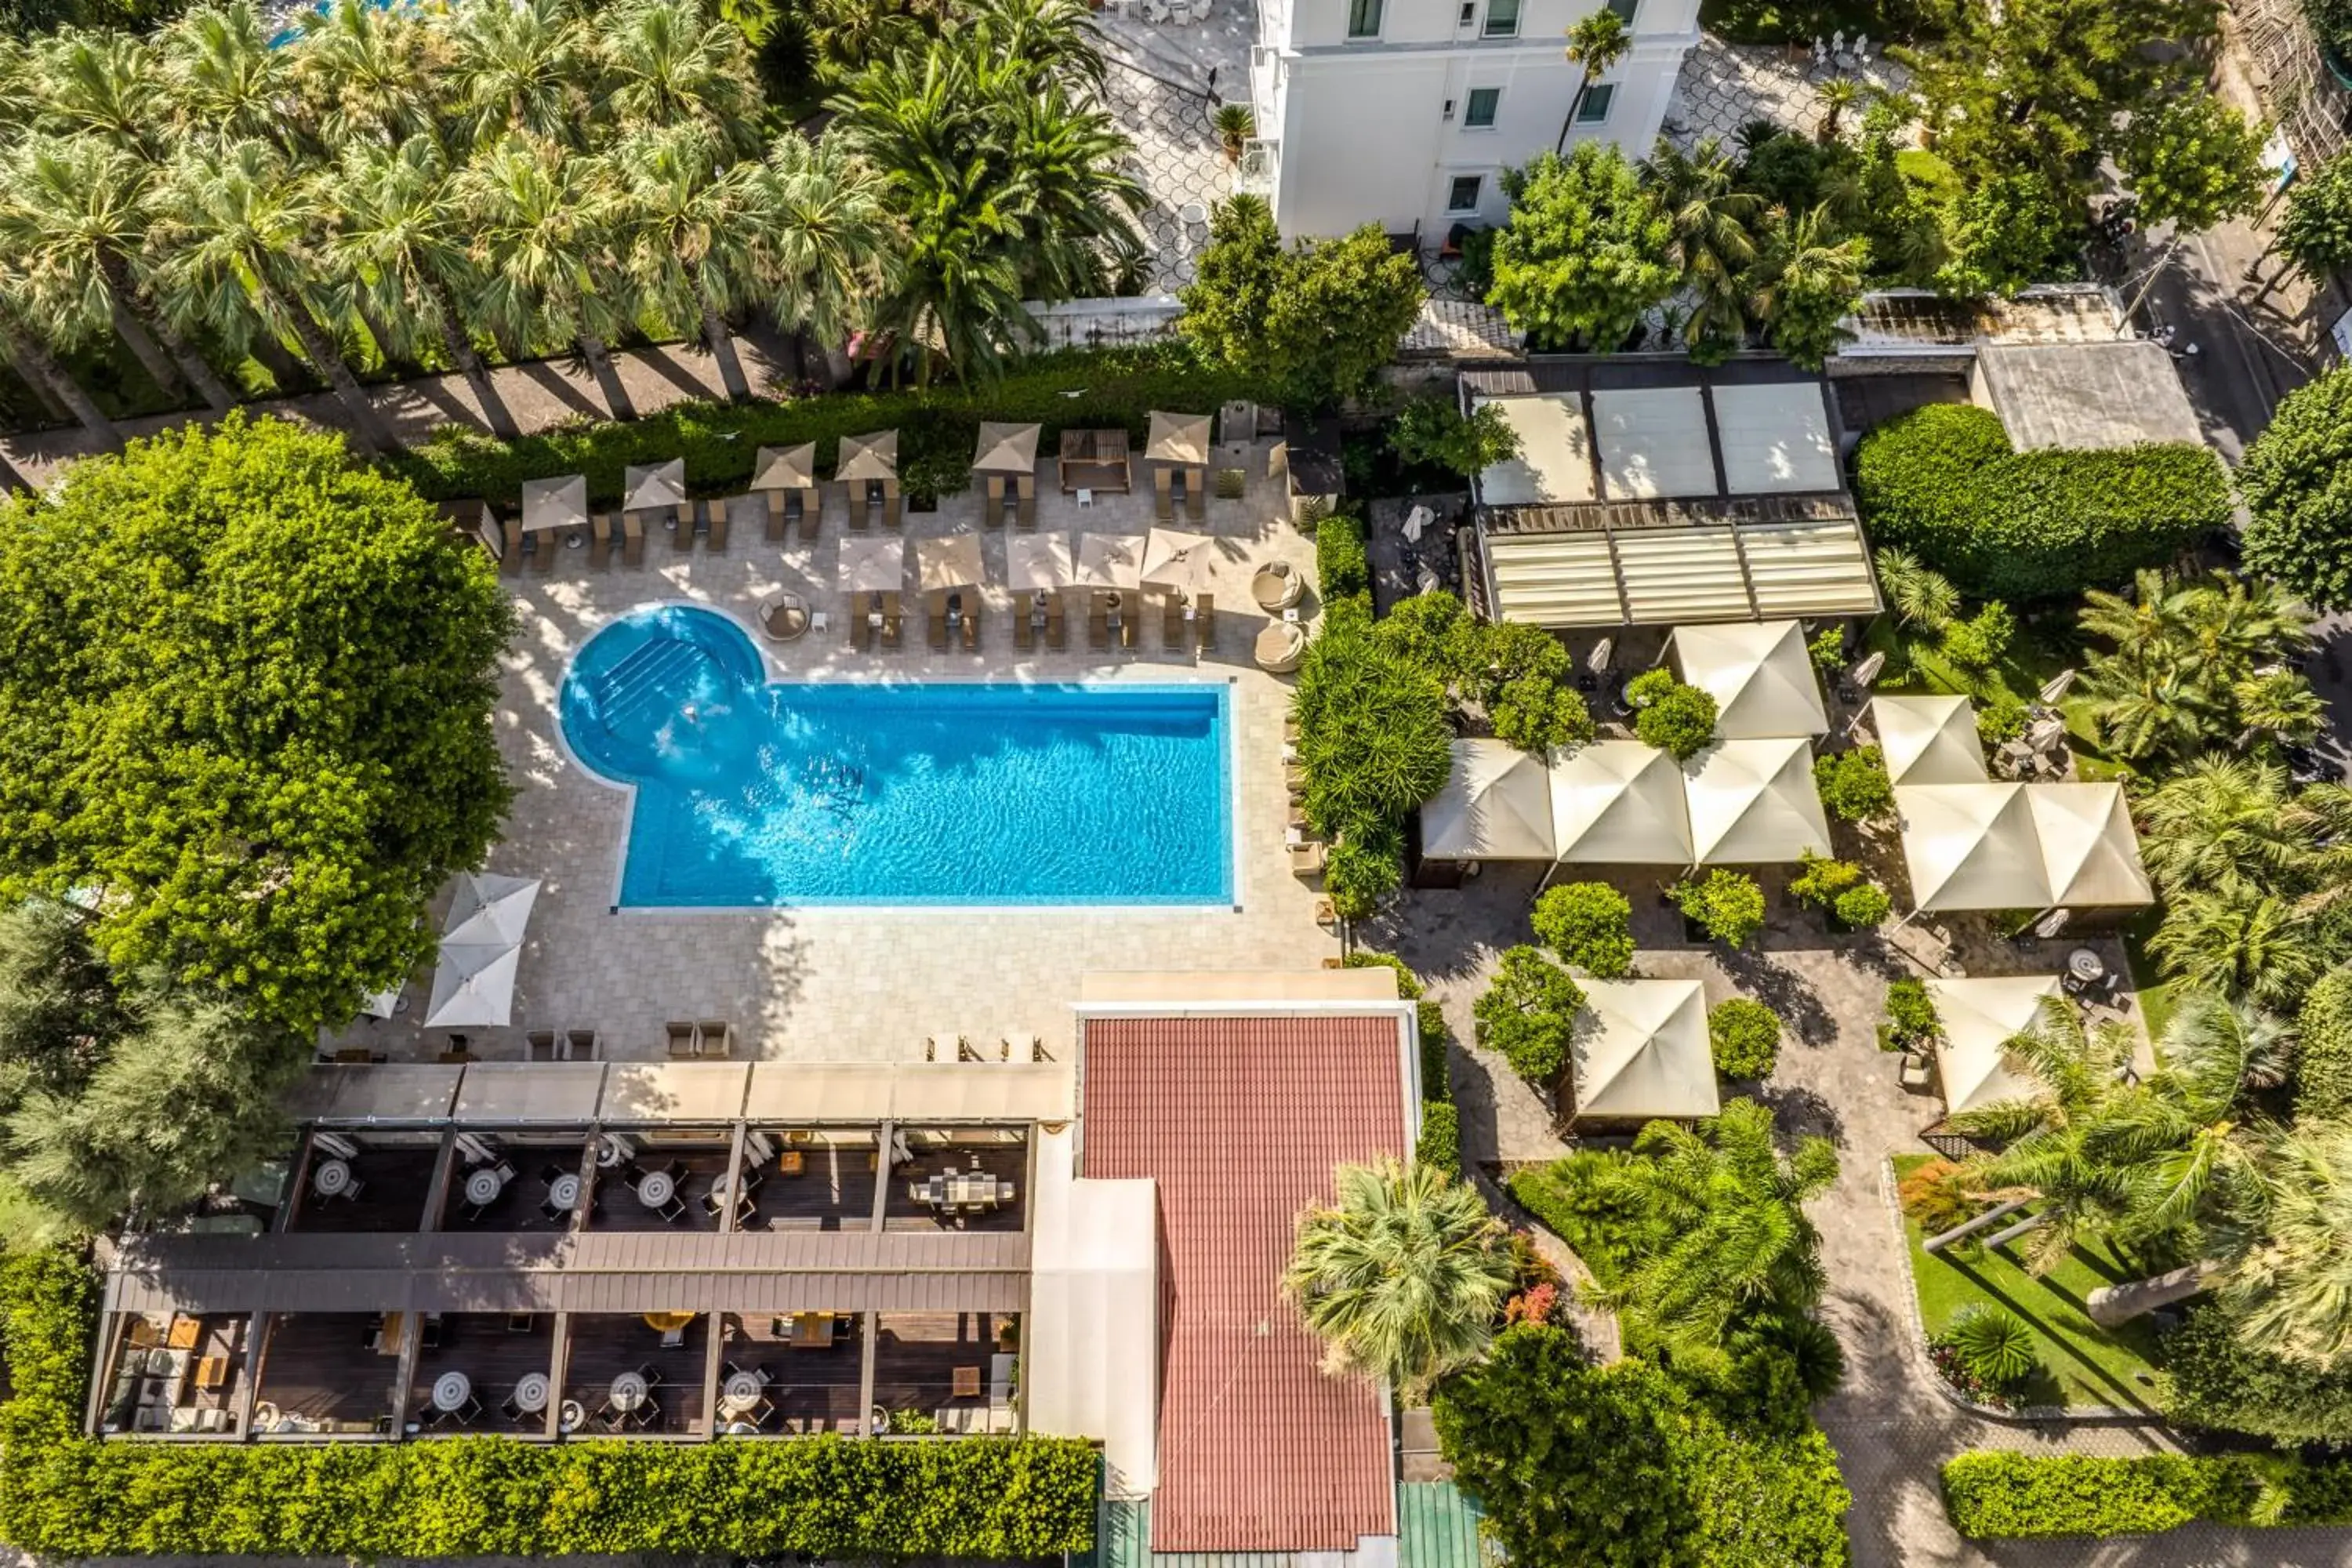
pixel 633 540
pixel 713 1037
pixel 681 527
pixel 1204 622
pixel 673 1338
pixel 1172 629
pixel 681 1039
pixel 647 1415
pixel 600 541
pixel 861 630
pixel 1024 505
pixel 1056 627
pixel 1164 499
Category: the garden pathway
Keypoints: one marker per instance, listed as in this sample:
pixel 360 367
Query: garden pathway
pixel 1723 86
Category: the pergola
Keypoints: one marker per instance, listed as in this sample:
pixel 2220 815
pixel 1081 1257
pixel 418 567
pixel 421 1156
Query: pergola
pixel 1639 1052
pixel 1495 806
pixel 1753 803
pixel 1761 675
pixel 1178 443
pixel 1928 740
pixel 1979 1018
pixel 1618 802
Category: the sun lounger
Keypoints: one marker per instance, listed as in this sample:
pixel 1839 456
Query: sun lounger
pixel 1163 502
pixel 510 558
pixel 772 515
pixel 812 511
pixel 681 1039
pixel 891 622
pixel 970 629
pixel 1025 507
pixel 894 509
pixel 543 546
pixel 861 629
pixel 1205 621
pixel 935 616
pixel 1307 859
pixel 858 515
pixel 1173 629
pixel 1057 629
pixel 1098 629
pixel 600 540
pixel 680 527
pixel 1025 629
pixel 1196 495
pixel 784 511
pixel 633 540
pixel 991 515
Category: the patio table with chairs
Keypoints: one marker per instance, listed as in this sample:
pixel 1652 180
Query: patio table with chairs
pixel 1178 451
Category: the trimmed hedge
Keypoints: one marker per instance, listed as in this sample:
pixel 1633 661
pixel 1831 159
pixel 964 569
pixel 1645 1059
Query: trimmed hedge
pixel 1997 1495
pixel 1944 483
pixel 1440 1144
pixel 1435 1082
pixel 64 1496
pixel 1343 568
pixel 937 429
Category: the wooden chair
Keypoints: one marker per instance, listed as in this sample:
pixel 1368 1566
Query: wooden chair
pixel 1163 500
pixel 773 520
pixel 861 630
pixel 720 516
pixel 1172 627
pixel 1057 631
pixel 600 541
pixel 893 625
pixel 1205 621
pixel 1097 628
pixel 935 615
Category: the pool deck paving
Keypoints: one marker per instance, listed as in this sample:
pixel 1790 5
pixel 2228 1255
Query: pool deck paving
pixel 868 983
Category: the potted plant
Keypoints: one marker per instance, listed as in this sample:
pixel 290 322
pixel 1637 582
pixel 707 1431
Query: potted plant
pixel 1235 125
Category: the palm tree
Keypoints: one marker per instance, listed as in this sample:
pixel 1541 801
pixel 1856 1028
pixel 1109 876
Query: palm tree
pixel 77 211
pixel 1066 185
pixel 2181 1137
pixel 521 67
pixel 226 81
pixel 363 70
pixel 398 235
pixel 2235 825
pixel 1838 94
pixel 667 63
pixel 1403 1277
pixel 827 237
pixel 1711 247
pixel 692 220
pixel 1596 42
pixel 23 347
pixel 1919 594
pixel 2279 704
pixel 2287 1271
pixel 2183 653
pixel 240 234
pixel 2250 943
pixel 1806 281
pixel 106 82
pixel 544 238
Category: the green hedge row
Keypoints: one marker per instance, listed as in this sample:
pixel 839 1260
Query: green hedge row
pixel 64 1496
pixel 1997 1495
pixel 937 429
pixel 1944 483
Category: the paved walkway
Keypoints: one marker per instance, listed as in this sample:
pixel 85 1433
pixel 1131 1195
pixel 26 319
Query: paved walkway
pixel 1723 86
pixel 1163 86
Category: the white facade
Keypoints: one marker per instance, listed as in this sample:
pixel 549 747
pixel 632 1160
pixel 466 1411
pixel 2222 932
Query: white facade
pixel 1404 113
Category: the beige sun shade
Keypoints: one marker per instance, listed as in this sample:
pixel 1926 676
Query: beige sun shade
pixel 1554 461
pixel 1761 675
pixel 1178 438
pixel 1033 561
pixel 672 1092
pixel 1005 450
pixel 650 486
pixel 1979 1018
pixel 874 457
pixel 1752 803
pixel 1110 559
pixel 873 564
pixel 560 502
pixel 949 560
pixel 1640 1050
pixel 516 1092
pixel 785 467
pixel 1174 559
pixel 2090 851
pixel 1929 739
pixel 1495 806
pixel 1971 847
pixel 1619 803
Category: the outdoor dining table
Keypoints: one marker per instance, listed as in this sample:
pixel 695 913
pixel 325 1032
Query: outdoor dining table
pixel 953 1187
pixel 332 1178
pixel 610 1151
pixel 483 1186
pixel 2085 966
pixel 532 1392
pixel 451 1390
pixel 629 1391
pixel 742 1390
pixel 563 1193
pixel 657 1188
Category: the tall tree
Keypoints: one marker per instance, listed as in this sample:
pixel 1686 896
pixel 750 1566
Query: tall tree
pixel 1807 280
pixel 523 68
pixel 2288 1284
pixel 691 219
pixel 226 80
pixel 827 237
pixel 2233 824
pixel 370 72
pixel 1596 42
pixel 108 83
pixel 1585 252
pixel 2297 479
pixel 1712 243
pixel 669 64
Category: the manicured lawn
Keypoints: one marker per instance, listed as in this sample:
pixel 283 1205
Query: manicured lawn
pixel 2086 1365
pixel 2154 991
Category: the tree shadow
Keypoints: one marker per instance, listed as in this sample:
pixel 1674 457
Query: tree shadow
pixel 1798 1111
pixel 1787 993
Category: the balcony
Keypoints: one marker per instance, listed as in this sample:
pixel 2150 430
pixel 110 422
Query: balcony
pixel 1260 167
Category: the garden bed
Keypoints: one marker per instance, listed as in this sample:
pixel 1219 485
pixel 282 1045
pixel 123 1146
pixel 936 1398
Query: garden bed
pixel 2083 1365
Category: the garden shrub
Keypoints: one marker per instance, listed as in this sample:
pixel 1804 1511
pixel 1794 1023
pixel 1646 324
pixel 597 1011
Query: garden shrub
pixel 1669 715
pixel 1435 1082
pixel 1409 986
pixel 1993 1343
pixel 1854 785
pixel 1536 713
pixel 64 1496
pixel 1729 906
pixel 1589 925
pixel 1935 1195
pixel 2002 719
pixel 1440 1144
pixel 1744 1037
pixel 1864 908
pixel 1819 880
pixel 2323 1062
pixel 1362 870
pixel 2214 1380
pixel 1944 483
pixel 1529 1015
pixel 1828 649
pixel 936 428
pixel 1998 1495
pixel 1977 644
pixel 1342 568
pixel 1911 1020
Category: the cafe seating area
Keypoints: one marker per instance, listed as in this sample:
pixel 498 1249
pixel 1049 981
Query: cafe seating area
pixel 635 1373
pixel 959 1186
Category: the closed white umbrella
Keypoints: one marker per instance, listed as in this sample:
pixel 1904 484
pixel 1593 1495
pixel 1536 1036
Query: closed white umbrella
pixel 2057 687
pixel 1865 672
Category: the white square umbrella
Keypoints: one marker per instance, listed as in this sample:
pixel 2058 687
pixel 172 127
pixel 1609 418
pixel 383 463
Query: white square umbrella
pixel 489 909
pixel 1181 438
pixel 1639 1050
pixel 873 564
pixel 1495 806
pixel 559 502
pixel 2090 850
pixel 1760 674
pixel 481 944
pixel 949 560
pixel 1110 561
pixel 1174 560
pixel 1971 847
pixel 1619 803
pixel 1979 1017
pixel 1005 449
pixel 1929 739
pixel 1035 562
pixel 1753 803
pixel 648 487
pixel 785 467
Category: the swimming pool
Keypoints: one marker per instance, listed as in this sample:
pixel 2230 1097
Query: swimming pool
pixel 751 793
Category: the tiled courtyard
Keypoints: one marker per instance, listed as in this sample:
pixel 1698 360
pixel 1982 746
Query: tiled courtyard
pixel 873 982
pixel 1164 83
pixel 1723 86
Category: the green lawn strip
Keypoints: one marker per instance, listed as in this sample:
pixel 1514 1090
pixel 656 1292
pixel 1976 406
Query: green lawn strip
pixel 2154 991
pixel 1915 667
pixel 2087 1364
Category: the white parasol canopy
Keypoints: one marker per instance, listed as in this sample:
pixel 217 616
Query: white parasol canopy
pixel 1753 803
pixel 649 486
pixel 1034 560
pixel 785 467
pixel 1979 1017
pixel 1005 449
pixel 559 502
pixel 1173 558
pixel 1619 803
pixel 1110 561
pixel 874 457
pixel 2090 850
pixel 1928 740
pixel 1640 1051
pixel 873 564
pixel 949 560
pixel 1973 847
pixel 1181 438
pixel 1495 806
pixel 1760 674
pixel 481 945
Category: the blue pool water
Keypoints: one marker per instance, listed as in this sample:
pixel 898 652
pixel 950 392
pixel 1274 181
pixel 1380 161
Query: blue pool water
pixel 750 793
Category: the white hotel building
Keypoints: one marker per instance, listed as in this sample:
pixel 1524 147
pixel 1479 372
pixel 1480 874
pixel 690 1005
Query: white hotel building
pixel 1404 113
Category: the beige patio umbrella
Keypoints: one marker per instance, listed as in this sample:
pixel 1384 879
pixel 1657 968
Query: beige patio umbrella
pixel 1179 438
pixel 785 467
pixel 875 564
pixel 1495 806
pixel 1006 449
pixel 1639 1050
pixel 2089 849
pixel 1973 847
pixel 1979 1018
pixel 1760 674
pixel 1174 560
pixel 649 486
pixel 1753 803
pixel 874 457
pixel 1110 561
pixel 555 503
pixel 1619 803
pixel 949 560
pixel 1037 562
pixel 1928 740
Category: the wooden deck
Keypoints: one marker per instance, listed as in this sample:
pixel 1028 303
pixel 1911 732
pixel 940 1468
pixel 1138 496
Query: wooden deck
pixel 395 1190
pixel 834 1191
pixel 812 1390
pixel 603 1347
pixel 1008 1163
pixel 495 1357
pixel 319 1367
pixel 160 1386
pixel 521 1208
pixel 916 1355
pixel 618 1206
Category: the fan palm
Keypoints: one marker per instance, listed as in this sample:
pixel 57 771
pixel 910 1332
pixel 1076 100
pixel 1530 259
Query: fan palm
pixel 669 63
pixel 1403 1277
pixel 2279 704
pixel 1711 244
pixel 827 237
pixel 691 219
pixel 2183 653
pixel 395 235
pixel 226 81
pixel 1067 188
pixel 23 347
pixel 521 67
pixel 104 82
pixel 363 70
pixel 1919 594
pixel 2288 1274
pixel 2250 943
pixel 2180 1137
pixel 2234 826
pixel 1806 280
pixel 76 212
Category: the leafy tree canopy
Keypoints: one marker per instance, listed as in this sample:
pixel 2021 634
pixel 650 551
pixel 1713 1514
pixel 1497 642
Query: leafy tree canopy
pixel 244 703
pixel 1585 252
pixel 1434 430
pixel 2298 481
pixel 1529 1015
pixel 2315 232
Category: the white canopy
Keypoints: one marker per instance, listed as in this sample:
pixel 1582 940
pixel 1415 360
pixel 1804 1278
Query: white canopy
pixel 481 943
pixel 1619 803
pixel 1174 559
pixel 490 910
pixel 1753 803
pixel 785 467
pixel 949 560
pixel 648 486
pixel 1033 561
pixel 1979 1017
pixel 1110 559
pixel 1495 806
pixel 1928 740
pixel 2090 850
pixel 1640 1051
pixel 1760 674
pixel 557 502
pixel 1971 847
pixel 873 563
pixel 1091 1347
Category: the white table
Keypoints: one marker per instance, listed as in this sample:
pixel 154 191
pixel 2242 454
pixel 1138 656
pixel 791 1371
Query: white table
pixel 333 1179
pixel 657 1188
pixel 629 1391
pixel 2085 966
pixel 483 1186
pixel 610 1151
pixel 573 1416
pixel 744 1388
pixel 565 1191
pixel 451 1390
pixel 532 1392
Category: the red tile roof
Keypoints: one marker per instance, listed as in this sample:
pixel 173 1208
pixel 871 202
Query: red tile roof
pixel 1240 1122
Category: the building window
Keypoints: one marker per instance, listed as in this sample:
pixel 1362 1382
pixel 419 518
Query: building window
pixel 1363 18
pixel 1464 197
pixel 1479 113
pixel 1624 9
pixel 1502 19
pixel 1595 107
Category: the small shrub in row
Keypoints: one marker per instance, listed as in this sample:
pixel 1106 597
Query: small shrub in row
pixel 1997 1495
pixel 1440 1144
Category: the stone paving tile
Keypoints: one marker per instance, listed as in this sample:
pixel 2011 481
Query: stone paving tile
pixel 1722 87
pixel 1164 84
pixel 867 984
